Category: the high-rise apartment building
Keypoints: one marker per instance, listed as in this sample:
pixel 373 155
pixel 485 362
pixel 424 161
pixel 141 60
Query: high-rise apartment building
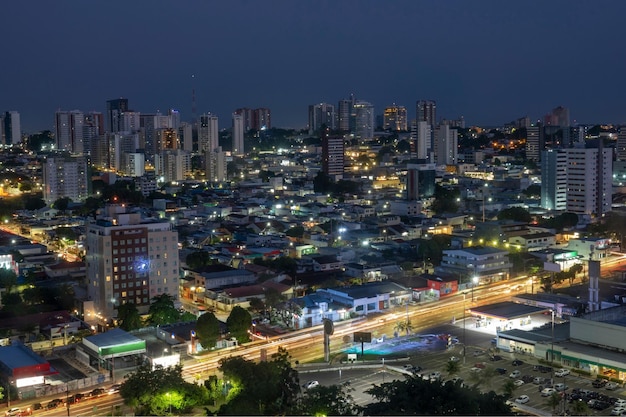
pixel 534 142
pixel 364 119
pixel 554 180
pixel 66 176
pixel 115 108
pixel 322 114
pixel 588 180
pixel 620 148
pixel 446 145
pixel 237 135
pixel 120 144
pixel 185 135
pixel 426 111
pixel 130 260
pixel 559 116
pixel 216 165
pixel 167 139
pixel 69 131
pixel 333 156
pixel 12 132
pixel 420 181
pixel 93 127
pixel 130 121
pixel 134 164
pixel 424 140
pixel 345 123
pixel 172 165
pixel 257 119
pixel 208 132
pixel 394 118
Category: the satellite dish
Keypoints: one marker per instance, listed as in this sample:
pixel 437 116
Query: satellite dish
pixel 329 327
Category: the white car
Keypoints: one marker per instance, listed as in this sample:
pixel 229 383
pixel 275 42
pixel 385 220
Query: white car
pixel 620 403
pixel 522 399
pixel 560 387
pixel 561 372
pixel 518 383
pixel 435 376
pixel 454 359
pixel 612 386
pixel 311 384
pixel 515 374
pixel 618 411
pixel 546 392
pixel 475 370
pixel 15 411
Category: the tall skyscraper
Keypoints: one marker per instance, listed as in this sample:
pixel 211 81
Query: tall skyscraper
pixel 172 165
pixel 69 129
pixel 554 180
pixel 426 111
pixel 66 176
pixel 394 118
pixel 534 142
pixel 621 144
pixel 583 176
pixel 216 165
pixel 185 133
pixel 559 116
pixel 120 144
pixel 130 260
pixel 257 119
pixel 333 156
pixel 424 140
pixel 344 114
pixel 208 132
pixel 446 145
pixel 115 108
pixel 364 119
pixel 12 128
pixel 130 121
pixel 237 134
pixel 93 127
pixel 322 114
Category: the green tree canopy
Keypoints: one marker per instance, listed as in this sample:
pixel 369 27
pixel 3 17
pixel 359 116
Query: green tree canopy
pixel 62 203
pixel 264 388
pixel 517 214
pixel 198 259
pixel 418 396
pixel 155 392
pixel 208 330
pixel 296 231
pixel 128 317
pixel 333 400
pixel 239 323
pixel 162 310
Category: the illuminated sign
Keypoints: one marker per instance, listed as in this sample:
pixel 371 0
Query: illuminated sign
pixel 27 382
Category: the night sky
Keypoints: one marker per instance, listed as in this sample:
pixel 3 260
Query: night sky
pixel 490 61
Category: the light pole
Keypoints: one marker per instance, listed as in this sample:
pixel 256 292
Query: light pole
pixel 552 348
pixel 474 283
pixel 464 340
pixel 484 202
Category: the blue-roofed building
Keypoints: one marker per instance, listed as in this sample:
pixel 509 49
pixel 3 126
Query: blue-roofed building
pixel 23 367
pixel 373 297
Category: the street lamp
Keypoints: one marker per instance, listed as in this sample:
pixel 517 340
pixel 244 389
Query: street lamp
pixel 474 283
pixel 464 340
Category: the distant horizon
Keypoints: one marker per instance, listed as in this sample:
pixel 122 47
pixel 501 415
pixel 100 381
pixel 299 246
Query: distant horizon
pixel 489 61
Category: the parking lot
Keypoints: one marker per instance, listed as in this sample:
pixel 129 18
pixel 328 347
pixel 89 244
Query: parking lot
pixel 531 376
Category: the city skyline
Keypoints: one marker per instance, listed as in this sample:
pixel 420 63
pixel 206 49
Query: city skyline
pixel 489 62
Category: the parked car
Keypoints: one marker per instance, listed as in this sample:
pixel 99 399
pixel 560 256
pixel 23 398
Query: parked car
pixel 539 380
pixel 517 362
pixel 311 384
pixel 515 374
pixel 37 406
pixel 612 386
pixel 522 399
pixel 618 411
pixel 546 392
pixel 599 383
pixel 114 388
pixel 475 370
pixel 479 352
pixel 96 392
pixel 454 359
pixel 495 358
pixel 561 372
pixel 518 383
pixel 501 371
pixel 435 376
pixel 527 378
pixel 560 387
pixel 15 411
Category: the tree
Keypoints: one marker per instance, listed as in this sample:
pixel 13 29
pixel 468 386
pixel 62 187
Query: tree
pixel 579 408
pixel 415 395
pixel 128 317
pixel 265 388
pixel 34 203
pixel 554 401
pixel 453 367
pixel 296 231
pixel 517 214
pixel 62 203
pixel 208 330
pixel 162 310
pixel 239 322
pixel 322 183
pixel 198 259
pixel 8 279
pixel 508 388
pixel 155 392
pixel 256 305
pixel 333 400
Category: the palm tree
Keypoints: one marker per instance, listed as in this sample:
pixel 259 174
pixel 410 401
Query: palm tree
pixel 452 367
pixel 508 388
pixel 399 327
pixel 554 401
pixel 579 408
pixel 408 327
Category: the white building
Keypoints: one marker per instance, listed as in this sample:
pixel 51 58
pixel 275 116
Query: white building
pixel 66 176
pixel 208 133
pixel 446 145
pixel 424 139
pixel 237 133
pixel 68 130
pixel 589 181
pixel 485 263
pixel 172 165
pixel 216 165
pixel 134 164
pixel 364 120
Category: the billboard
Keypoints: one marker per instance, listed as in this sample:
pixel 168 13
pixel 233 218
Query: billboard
pixel 360 337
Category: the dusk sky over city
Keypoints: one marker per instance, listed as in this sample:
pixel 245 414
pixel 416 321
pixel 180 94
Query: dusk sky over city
pixel 489 61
